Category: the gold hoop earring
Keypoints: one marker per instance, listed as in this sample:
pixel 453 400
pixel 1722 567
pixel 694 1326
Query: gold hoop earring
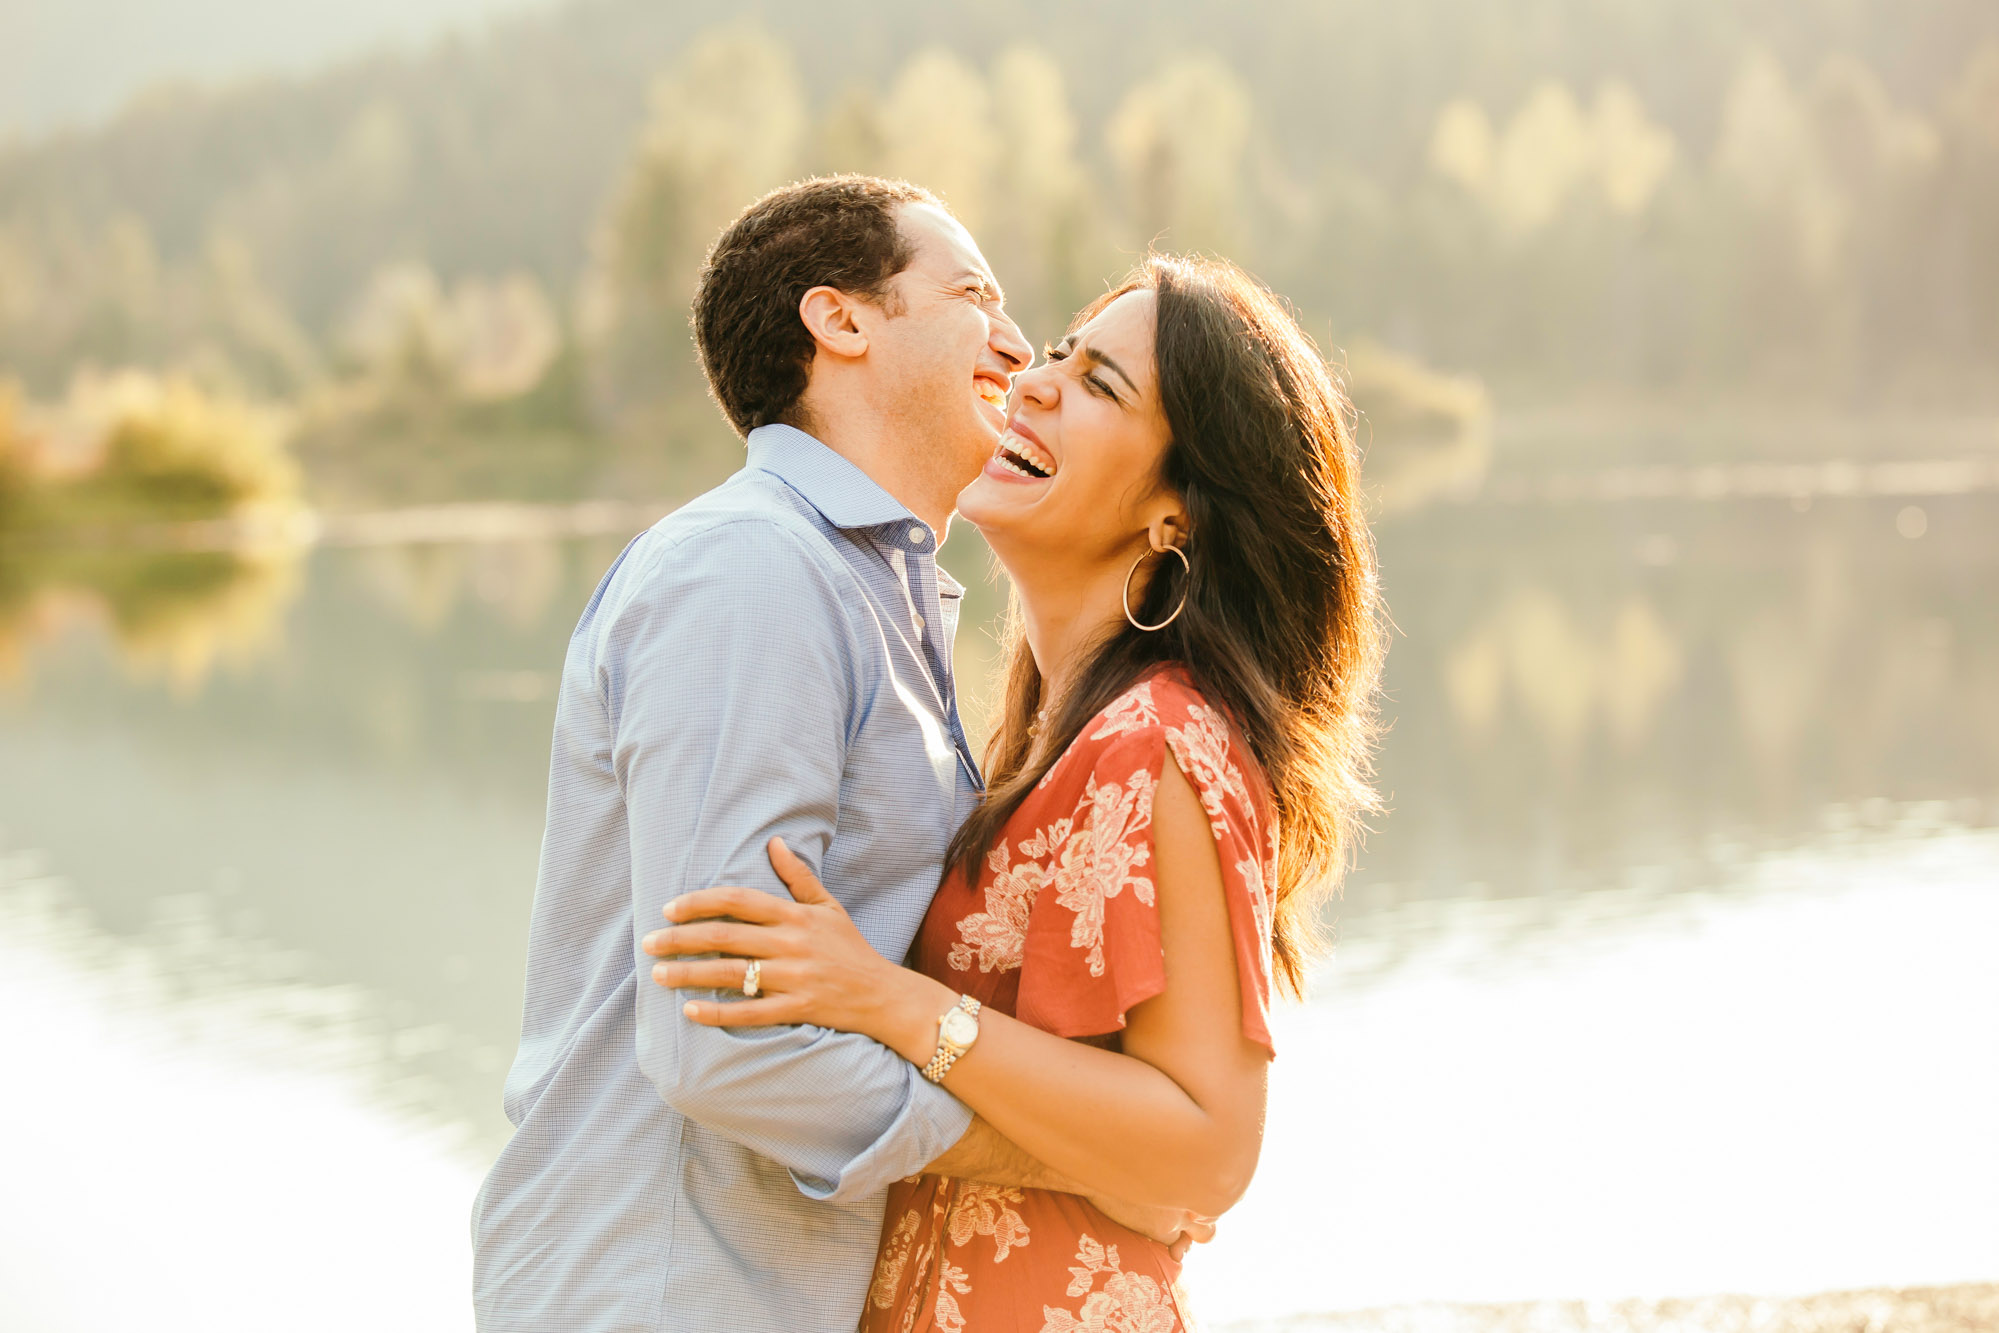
pixel 1186 567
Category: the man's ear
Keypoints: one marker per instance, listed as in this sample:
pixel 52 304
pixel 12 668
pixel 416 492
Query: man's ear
pixel 829 316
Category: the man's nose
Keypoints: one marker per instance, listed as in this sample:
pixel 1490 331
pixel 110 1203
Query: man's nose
pixel 1011 343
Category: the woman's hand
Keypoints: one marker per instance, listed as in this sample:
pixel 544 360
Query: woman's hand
pixel 1178 1229
pixel 816 966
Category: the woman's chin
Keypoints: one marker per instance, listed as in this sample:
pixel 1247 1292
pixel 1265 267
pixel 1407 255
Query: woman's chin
pixel 1011 531
pixel 997 498
pixel 986 503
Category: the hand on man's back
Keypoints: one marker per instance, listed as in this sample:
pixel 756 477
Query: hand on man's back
pixel 1177 1227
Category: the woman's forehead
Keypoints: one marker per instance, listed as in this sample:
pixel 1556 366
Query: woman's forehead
pixel 1123 325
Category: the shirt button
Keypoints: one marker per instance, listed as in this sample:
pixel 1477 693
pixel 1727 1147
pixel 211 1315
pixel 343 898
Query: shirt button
pixel 919 535
pixel 919 621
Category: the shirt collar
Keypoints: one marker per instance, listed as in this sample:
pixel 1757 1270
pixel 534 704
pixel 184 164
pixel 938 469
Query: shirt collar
pixel 847 496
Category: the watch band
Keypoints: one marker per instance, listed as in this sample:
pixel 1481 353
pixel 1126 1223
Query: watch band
pixel 948 1053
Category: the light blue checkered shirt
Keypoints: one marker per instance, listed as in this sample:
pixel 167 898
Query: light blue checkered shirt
pixel 773 658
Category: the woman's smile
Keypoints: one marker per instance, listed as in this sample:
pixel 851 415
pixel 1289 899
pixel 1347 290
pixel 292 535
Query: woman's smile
pixel 1021 456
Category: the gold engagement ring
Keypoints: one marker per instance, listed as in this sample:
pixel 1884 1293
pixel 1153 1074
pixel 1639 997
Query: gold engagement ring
pixel 753 977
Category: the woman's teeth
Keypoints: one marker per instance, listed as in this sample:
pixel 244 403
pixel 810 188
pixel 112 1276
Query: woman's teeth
pixel 1023 456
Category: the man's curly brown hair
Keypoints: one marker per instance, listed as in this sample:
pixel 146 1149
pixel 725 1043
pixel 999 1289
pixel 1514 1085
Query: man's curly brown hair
pixel 832 231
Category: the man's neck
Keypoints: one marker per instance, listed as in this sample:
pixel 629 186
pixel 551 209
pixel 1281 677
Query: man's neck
pixel 867 438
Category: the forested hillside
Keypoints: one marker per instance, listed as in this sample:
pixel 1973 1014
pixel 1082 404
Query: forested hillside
pixel 1797 198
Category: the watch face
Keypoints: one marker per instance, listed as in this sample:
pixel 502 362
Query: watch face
pixel 960 1028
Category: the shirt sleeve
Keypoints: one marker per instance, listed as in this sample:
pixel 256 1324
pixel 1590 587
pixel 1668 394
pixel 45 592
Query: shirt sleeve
pixel 730 677
pixel 1093 949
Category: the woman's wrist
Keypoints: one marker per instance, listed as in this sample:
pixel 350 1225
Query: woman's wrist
pixel 911 1007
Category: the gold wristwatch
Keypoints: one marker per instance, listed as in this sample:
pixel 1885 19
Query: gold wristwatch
pixel 956 1032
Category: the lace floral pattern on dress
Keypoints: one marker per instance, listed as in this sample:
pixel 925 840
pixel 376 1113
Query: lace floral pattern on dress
pixel 1134 710
pixel 1202 748
pixel 1127 1303
pixel 893 1259
pixel 952 1282
pixel 994 938
pixel 1103 858
pixel 982 1210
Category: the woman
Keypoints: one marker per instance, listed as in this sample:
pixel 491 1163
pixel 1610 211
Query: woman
pixel 1182 757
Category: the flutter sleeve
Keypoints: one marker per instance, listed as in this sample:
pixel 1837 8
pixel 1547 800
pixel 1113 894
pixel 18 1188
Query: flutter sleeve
pixel 1092 949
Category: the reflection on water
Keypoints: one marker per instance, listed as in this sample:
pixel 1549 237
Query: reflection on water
pixel 1662 973
pixel 175 615
pixel 1579 691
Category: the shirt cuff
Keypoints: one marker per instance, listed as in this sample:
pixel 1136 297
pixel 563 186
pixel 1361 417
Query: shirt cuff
pixel 930 1124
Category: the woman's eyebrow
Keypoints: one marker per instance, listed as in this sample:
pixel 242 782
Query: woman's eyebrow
pixel 1096 357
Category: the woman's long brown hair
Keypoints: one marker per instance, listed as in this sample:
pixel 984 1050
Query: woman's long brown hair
pixel 1283 621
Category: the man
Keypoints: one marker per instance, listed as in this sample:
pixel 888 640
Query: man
pixel 773 659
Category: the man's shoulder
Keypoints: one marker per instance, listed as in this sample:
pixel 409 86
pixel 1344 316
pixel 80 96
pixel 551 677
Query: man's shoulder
pixel 751 508
pixel 749 544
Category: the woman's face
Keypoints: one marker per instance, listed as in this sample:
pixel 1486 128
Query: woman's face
pixel 1076 473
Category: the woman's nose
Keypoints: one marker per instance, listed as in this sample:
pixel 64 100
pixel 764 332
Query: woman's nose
pixel 1037 386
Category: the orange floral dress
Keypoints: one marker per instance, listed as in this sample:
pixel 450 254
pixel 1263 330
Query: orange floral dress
pixel 1062 931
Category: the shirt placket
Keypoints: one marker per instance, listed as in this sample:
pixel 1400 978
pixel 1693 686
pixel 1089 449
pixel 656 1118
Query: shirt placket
pixel 915 562
pixel 951 602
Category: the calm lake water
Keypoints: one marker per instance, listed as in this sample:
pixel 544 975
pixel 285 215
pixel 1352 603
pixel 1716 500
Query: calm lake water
pixel 1669 970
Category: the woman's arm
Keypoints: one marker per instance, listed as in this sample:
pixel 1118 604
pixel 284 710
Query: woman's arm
pixel 1174 1120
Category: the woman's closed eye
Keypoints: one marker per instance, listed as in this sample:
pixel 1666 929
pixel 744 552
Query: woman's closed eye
pixel 1091 380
